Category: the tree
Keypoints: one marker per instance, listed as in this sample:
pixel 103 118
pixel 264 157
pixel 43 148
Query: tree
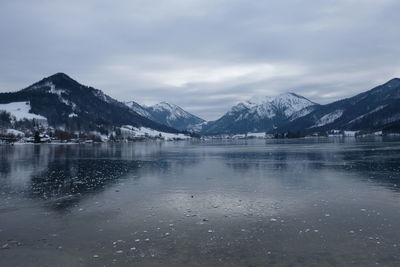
pixel 37 137
pixel 5 119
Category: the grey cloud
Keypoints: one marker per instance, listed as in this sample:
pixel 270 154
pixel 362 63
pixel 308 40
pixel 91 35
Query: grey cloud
pixel 203 55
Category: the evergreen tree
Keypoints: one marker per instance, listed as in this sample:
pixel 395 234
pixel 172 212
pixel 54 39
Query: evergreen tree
pixel 37 137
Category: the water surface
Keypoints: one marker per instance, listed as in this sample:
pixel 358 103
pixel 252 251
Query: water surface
pixel 305 202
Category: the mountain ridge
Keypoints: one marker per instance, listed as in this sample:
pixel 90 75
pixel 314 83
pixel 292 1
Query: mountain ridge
pixel 65 103
pixel 258 116
pixel 168 114
pixel 365 111
pixel 68 104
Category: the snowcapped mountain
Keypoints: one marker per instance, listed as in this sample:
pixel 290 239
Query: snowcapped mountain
pixel 138 109
pixel 173 116
pixel 61 102
pixel 167 114
pixel 69 105
pixel 376 109
pixel 260 114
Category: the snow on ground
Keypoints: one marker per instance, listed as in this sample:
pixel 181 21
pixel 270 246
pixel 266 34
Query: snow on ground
pixel 239 136
pixel 54 90
pixel 14 132
pixel 130 131
pixel 350 133
pixel 256 135
pixel 20 110
pixel 367 114
pixel 57 91
pixel 103 137
pixel 301 113
pixel 328 118
pixel 335 133
pixel 377 133
pixel 261 135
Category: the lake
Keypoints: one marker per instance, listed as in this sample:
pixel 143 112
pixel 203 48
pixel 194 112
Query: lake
pixel 300 202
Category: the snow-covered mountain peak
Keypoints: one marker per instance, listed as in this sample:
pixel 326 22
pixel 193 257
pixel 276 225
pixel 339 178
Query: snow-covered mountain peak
pixel 260 113
pixel 167 114
pixel 289 103
pixel 287 97
pixel 264 106
pixel 175 112
pixel 167 106
pixel 140 109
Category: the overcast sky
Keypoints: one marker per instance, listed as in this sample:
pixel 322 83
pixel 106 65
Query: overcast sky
pixel 204 55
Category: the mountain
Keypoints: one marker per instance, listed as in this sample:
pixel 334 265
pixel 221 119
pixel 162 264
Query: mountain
pixel 376 109
pixel 69 105
pixel 260 114
pixel 167 114
pixel 138 109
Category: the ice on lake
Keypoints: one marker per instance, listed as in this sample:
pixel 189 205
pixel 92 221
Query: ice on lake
pixel 304 202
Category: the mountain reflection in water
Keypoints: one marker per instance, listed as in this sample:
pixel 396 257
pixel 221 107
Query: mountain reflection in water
pixel 304 202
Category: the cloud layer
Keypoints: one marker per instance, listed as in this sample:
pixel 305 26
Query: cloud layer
pixel 204 55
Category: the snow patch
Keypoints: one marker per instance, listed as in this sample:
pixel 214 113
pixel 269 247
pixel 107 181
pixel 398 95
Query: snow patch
pixel 256 135
pixel 130 131
pixel 328 118
pixel 303 112
pixel 350 133
pixel 250 135
pixel 54 90
pixel 72 115
pixel 57 91
pixel 367 114
pixel 14 132
pixel 21 110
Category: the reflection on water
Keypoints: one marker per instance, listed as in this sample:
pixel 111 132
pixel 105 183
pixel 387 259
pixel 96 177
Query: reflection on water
pixel 64 172
pixel 307 202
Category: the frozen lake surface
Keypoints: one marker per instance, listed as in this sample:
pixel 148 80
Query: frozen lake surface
pixel 305 202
